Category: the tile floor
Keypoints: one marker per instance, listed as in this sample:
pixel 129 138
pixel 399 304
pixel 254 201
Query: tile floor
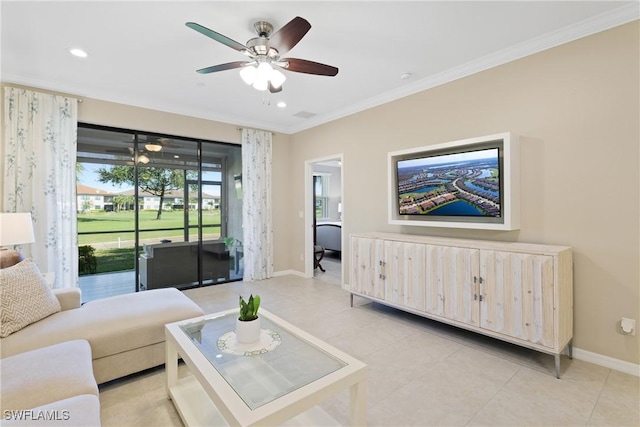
pixel 421 373
pixel 332 268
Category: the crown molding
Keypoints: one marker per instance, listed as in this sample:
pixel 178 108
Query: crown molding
pixel 616 17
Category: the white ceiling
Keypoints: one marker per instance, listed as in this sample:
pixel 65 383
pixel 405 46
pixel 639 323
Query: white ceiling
pixel 142 54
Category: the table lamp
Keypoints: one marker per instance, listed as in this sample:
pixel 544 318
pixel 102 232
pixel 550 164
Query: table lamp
pixel 15 229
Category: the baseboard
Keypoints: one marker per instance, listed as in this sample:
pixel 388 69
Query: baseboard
pixel 286 272
pixel 607 362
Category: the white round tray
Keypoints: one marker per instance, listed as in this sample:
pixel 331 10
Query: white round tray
pixel 268 341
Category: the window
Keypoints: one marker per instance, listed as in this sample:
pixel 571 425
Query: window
pixel 128 205
pixel 321 193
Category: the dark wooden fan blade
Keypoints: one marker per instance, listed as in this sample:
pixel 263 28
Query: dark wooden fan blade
pixel 309 67
pixel 288 36
pixel 274 89
pixel 222 67
pixel 217 36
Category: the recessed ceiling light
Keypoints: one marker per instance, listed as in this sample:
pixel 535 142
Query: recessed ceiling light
pixel 405 76
pixel 78 52
pixel 175 156
pixel 282 104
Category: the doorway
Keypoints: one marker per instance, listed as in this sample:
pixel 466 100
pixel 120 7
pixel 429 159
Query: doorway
pixel 324 236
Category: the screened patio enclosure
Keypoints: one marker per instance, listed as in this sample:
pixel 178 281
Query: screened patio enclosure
pixel 167 209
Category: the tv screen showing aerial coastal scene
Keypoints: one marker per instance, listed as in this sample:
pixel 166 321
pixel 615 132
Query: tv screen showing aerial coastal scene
pixel 451 185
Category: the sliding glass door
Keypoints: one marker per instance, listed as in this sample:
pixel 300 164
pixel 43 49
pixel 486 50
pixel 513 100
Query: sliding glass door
pixel 166 198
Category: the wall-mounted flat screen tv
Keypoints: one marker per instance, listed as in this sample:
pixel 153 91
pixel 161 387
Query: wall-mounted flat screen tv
pixel 464 184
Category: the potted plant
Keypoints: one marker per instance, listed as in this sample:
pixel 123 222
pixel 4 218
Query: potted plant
pixel 248 323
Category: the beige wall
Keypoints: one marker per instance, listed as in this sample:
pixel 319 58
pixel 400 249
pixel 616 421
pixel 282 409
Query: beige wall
pixel 576 110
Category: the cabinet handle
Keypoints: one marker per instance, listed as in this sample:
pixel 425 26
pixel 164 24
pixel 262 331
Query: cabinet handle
pixel 480 298
pixel 480 280
pixel 475 279
pixel 475 297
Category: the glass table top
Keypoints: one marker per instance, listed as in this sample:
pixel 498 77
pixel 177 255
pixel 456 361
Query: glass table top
pixel 279 363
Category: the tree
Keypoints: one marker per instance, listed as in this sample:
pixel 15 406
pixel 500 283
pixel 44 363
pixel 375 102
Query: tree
pixel 123 202
pixel 155 181
pixel 86 206
pixel 79 170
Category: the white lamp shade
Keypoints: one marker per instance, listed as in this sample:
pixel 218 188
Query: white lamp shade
pixel 16 229
pixel 261 84
pixel 277 78
pixel 153 147
pixel 248 74
pixel 263 74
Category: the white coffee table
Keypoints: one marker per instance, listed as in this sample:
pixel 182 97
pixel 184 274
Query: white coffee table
pixel 279 381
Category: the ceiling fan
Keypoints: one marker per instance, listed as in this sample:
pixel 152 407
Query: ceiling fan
pixel 264 52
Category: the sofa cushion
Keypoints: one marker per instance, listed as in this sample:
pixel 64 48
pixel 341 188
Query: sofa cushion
pixel 46 375
pixel 111 325
pixel 25 297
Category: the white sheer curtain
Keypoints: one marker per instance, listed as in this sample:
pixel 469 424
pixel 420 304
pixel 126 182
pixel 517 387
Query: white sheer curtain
pixel 256 205
pixel 39 146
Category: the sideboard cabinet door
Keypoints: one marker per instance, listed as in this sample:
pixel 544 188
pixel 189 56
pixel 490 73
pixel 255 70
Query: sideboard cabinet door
pixel 367 269
pixel 518 296
pixel 450 287
pixel 404 274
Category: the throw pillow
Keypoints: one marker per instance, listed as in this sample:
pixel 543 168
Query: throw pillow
pixel 25 297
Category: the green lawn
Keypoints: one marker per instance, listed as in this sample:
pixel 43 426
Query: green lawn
pixel 110 258
pixel 124 222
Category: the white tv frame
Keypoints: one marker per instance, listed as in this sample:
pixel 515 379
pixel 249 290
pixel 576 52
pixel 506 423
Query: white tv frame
pixel 510 181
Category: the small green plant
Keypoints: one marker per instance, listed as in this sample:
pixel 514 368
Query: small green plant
pixel 230 242
pixel 87 263
pixel 249 309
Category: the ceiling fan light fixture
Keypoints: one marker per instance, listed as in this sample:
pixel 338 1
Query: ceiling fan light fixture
pixel 277 78
pixel 265 51
pixel 264 71
pixel 153 147
pixel 248 74
pixel 263 75
pixel 143 159
pixel 261 84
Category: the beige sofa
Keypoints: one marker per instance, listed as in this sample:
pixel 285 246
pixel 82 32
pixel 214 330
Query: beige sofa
pixel 50 386
pixel 125 332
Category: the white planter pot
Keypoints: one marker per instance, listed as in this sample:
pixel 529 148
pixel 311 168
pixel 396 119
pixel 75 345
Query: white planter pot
pixel 248 332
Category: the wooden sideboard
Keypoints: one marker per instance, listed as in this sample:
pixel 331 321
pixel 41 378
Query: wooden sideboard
pixel 517 292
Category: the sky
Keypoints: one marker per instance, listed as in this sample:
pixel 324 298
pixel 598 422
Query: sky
pixel 89 177
pixel 448 158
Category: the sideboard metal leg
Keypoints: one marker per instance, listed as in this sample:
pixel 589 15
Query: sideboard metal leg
pixel 570 349
pixel 351 297
pixel 557 366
